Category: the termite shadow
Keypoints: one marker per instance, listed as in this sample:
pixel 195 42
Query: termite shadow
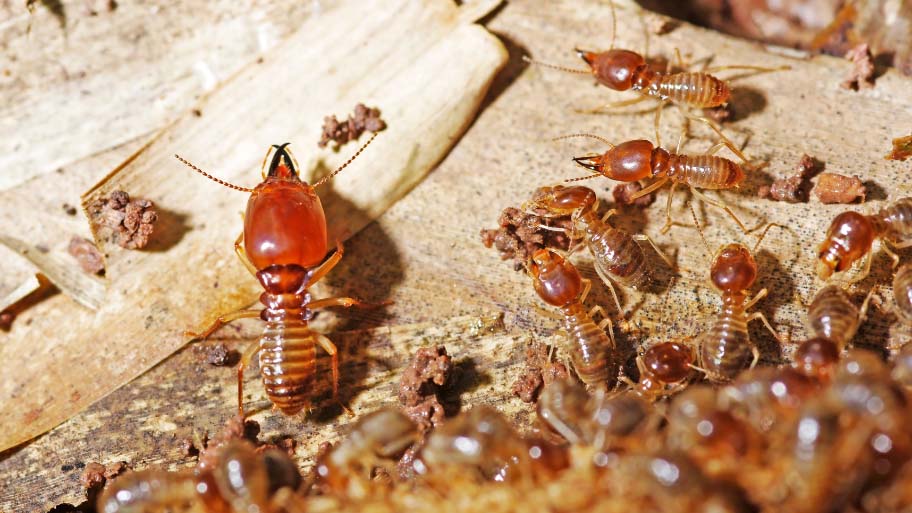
pixel 873 191
pixel 745 102
pixel 774 276
pixel 170 228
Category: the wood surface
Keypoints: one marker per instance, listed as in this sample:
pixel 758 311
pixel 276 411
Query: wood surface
pixel 425 255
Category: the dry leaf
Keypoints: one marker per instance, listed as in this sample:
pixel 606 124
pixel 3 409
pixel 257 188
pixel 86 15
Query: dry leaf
pixel 424 64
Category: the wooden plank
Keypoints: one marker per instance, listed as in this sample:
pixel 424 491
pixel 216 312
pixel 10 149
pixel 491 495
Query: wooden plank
pixel 424 253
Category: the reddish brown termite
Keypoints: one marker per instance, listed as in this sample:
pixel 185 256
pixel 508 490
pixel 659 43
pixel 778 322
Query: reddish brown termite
pixel 851 235
pixel 244 480
pixel 726 347
pixel 636 160
pixel 902 293
pixel 618 257
pixel 624 70
pixel 833 316
pixel 284 244
pixel 664 369
pixel 591 349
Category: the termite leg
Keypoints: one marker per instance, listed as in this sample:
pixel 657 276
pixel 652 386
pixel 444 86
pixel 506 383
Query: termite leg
pixel 867 269
pixel 245 360
pixel 221 321
pixel 342 301
pixel 754 300
pixel 330 348
pixel 242 254
pixel 606 321
pixel 610 285
pixel 760 69
pixel 886 247
pixel 587 286
pixel 722 137
pixel 658 117
pixel 614 105
pixel 759 315
pixel 651 187
pixel 327 265
pixel 721 205
pixel 668 221
pixel 715 147
pixel 662 255
pixel 756 353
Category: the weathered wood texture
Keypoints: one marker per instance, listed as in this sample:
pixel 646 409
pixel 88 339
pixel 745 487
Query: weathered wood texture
pixel 429 67
pixel 425 254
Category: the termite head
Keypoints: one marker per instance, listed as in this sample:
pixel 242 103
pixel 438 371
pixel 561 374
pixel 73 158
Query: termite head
pixel 669 362
pixel 817 358
pixel 617 69
pixel 562 201
pixel 284 223
pixel 247 480
pixel 628 162
pixel 556 280
pixel 733 269
pixel 849 237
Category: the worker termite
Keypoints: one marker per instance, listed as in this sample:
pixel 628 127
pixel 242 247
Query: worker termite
pixel 817 358
pixel 833 316
pixel 664 369
pixel 726 347
pixel 765 396
pixel 243 481
pixel 376 439
pixel 851 236
pixel 616 253
pixel 592 350
pixel 902 293
pixel 636 160
pixel 283 244
pixel 623 70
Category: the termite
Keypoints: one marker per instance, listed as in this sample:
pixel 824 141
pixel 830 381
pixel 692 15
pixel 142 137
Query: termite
pixel 636 160
pixel 592 350
pixel 726 347
pixel 377 438
pixel 766 396
pixel 851 236
pixel 624 70
pixel 664 369
pixel 617 256
pixel 833 316
pixel 902 293
pixel 283 244
pixel 243 481
pixel 817 358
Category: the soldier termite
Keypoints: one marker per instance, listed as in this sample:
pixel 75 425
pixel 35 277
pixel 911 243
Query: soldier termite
pixel 851 236
pixel 623 70
pixel 617 255
pixel 636 160
pixel 592 350
pixel 283 244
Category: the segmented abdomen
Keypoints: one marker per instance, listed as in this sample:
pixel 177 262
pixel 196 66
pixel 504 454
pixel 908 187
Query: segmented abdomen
pixel 726 348
pixel 618 255
pixel 288 363
pixel 590 347
pixel 902 292
pixel 833 316
pixel 897 221
pixel 145 490
pixel 695 89
pixel 704 171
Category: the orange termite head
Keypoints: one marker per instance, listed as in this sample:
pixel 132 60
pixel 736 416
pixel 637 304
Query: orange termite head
pixel 556 280
pixel 733 269
pixel 849 237
pixel 617 69
pixel 627 162
pixel 669 362
pixel 561 200
pixel 284 223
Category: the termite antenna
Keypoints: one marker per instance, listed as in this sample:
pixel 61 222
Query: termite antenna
pixel 614 24
pixel 591 136
pixel 328 177
pixel 581 178
pixel 214 179
pixel 762 235
pixel 693 213
pixel 530 60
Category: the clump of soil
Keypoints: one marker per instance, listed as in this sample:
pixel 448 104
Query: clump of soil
pixel 88 256
pixel 521 234
pixel 795 188
pixel 341 132
pixel 538 372
pixel 425 378
pixel 94 477
pixel 623 191
pixel 862 74
pixel 836 188
pixel 902 148
pixel 235 428
pixel 130 222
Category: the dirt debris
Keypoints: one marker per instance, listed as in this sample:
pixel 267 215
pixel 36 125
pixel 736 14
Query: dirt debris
pixel 69 209
pixel 93 476
pixel 836 188
pixel 623 191
pixel 88 256
pixel 235 428
pixel 537 372
pixel 341 132
pixel 520 234
pixel 6 320
pixel 862 74
pixel 902 148
pixel 424 378
pixel 130 222
pixel 795 188
pixel 720 114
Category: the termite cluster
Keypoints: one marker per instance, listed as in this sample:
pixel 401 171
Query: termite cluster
pixel 697 427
